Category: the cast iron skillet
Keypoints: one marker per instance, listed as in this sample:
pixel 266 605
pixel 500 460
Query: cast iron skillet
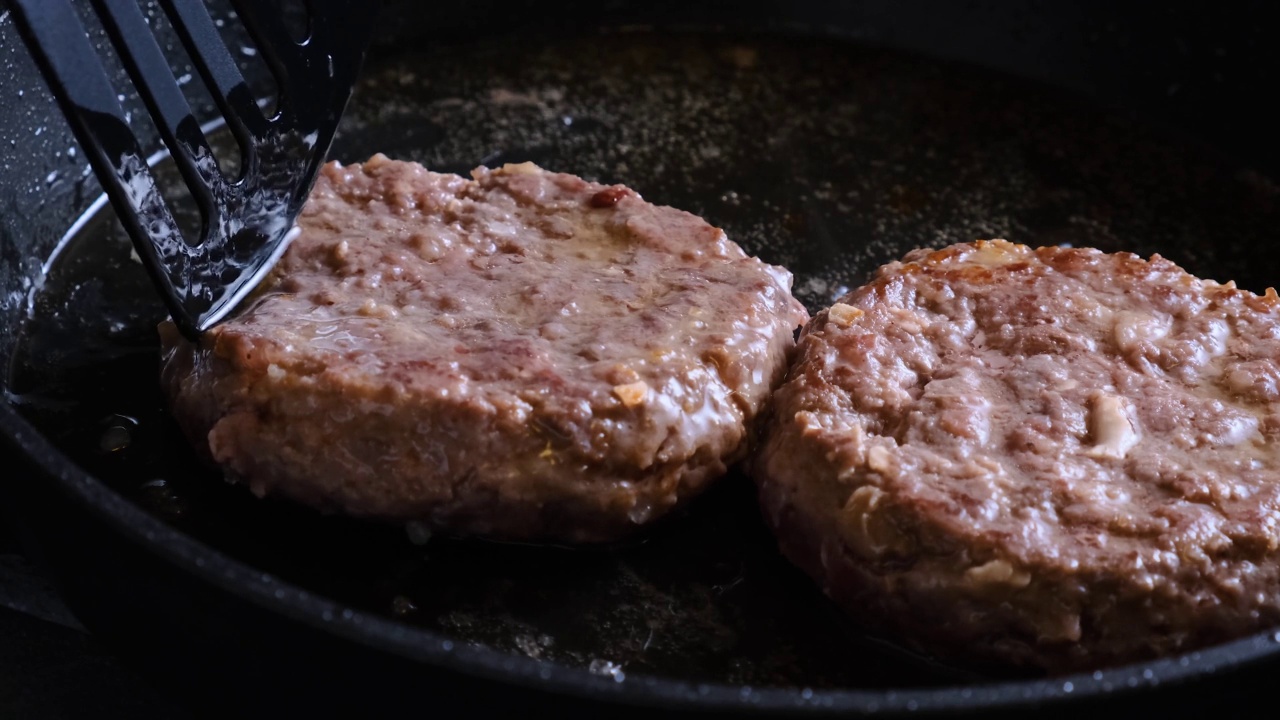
pixel 814 151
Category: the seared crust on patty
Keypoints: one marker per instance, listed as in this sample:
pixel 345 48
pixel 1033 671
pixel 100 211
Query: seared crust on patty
pixel 1056 457
pixel 522 355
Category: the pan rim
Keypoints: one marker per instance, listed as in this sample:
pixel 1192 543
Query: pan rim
pixel 377 632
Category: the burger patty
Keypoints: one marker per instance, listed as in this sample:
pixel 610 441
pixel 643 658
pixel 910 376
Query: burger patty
pixel 1056 457
pixel 524 355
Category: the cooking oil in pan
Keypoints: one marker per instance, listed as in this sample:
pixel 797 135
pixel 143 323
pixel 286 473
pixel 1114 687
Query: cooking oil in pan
pixel 814 154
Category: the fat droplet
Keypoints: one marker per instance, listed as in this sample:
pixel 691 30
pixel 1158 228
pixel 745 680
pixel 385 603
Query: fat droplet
pixel 607 668
pixel 115 439
pixel 117 433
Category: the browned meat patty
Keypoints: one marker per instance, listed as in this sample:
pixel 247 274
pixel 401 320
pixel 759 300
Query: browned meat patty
pixel 1054 457
pixel 525 355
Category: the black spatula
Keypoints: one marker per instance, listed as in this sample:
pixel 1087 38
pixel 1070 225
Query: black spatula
pixel 246 220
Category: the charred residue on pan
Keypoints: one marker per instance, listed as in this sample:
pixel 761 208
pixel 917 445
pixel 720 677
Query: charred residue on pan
pixel 817 154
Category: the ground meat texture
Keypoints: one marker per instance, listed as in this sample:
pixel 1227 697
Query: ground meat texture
pixel 1057 458
pixel 523 355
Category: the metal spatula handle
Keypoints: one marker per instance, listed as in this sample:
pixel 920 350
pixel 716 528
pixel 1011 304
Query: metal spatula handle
pixel 245 221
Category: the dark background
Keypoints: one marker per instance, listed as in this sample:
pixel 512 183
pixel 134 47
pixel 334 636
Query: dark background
pixel 49 666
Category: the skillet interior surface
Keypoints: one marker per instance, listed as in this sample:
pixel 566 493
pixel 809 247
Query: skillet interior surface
pixel 815 154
